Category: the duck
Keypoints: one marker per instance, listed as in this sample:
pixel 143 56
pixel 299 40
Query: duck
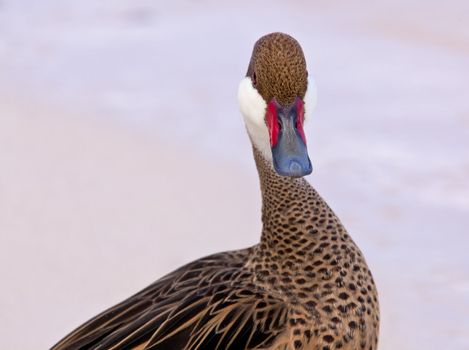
pixel 304 286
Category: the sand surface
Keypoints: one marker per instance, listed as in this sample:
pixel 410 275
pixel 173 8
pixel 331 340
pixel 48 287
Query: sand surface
pixel 123 155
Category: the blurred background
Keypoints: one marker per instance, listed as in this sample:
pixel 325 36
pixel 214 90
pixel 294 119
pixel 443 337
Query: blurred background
pixel 123 154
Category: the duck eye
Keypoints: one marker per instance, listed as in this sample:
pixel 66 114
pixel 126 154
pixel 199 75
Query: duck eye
pixel 254 79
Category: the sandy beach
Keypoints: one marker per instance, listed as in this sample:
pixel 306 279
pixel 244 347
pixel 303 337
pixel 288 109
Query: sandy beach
pixel 85 202
pixel 120 159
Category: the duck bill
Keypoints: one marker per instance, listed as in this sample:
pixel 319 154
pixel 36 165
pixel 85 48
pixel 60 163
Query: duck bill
pixel 289 151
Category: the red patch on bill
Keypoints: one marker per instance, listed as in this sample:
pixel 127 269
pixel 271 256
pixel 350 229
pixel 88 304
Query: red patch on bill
pixel 300 117
pixel 271 118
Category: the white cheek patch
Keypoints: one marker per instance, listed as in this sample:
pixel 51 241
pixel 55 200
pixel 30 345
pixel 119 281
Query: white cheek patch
pixel 311 98
pixel 253 108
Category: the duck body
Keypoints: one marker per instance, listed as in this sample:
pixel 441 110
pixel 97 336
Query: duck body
pixel 305 286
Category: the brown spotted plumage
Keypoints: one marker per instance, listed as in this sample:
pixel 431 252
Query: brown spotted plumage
pixel 278 67
pixel 305 286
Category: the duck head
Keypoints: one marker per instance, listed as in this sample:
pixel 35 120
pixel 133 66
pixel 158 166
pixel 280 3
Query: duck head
pixel 275 98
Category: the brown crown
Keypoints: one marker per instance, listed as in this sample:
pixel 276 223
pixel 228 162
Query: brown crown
pixel 278 68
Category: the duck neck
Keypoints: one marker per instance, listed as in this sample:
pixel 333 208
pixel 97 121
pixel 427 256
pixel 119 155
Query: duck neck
pixel 295 220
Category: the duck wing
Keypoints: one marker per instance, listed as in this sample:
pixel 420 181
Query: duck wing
pixel 209 304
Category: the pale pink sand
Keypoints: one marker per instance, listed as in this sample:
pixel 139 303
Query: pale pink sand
pixel 91 213
pixel 123 155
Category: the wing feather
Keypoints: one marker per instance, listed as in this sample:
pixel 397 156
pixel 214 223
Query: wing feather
pixel 209 304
